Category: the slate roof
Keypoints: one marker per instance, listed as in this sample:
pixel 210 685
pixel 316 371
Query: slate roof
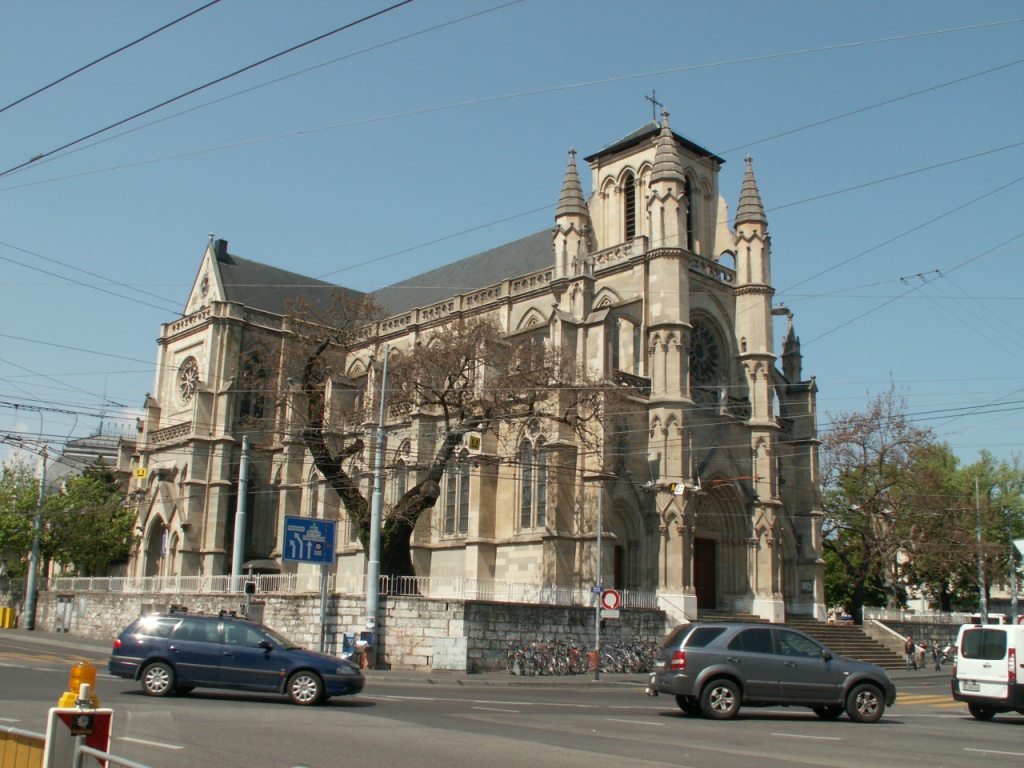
pixel 515 259
pixel 644 134
pixel 261 286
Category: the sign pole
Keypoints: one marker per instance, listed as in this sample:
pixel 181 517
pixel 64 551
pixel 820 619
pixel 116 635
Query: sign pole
pixel 323 607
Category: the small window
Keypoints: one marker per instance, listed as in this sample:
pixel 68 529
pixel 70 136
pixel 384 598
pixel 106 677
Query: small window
pixel 793 644
pixel 753 641
pixel 196 631
pixel 242 636
pixel 702 636
pixel 151 626
pixel 983 644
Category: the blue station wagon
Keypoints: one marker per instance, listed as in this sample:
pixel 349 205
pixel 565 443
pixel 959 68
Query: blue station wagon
pixel 175 653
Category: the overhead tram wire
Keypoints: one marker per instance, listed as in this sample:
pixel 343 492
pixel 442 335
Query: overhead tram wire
pixel 87 285
pixel 207 85
pixel 282 78
pixel 538 91
pixel 107 56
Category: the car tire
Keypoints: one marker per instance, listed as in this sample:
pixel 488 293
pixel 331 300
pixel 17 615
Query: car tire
pixel 980 711
pixel 720 699
pixel 689 704
pixel 865 703
pixel 305 688
pixel 830 712
pixel 157 679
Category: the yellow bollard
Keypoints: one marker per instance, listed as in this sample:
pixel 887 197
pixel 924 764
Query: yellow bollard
pixel 6 618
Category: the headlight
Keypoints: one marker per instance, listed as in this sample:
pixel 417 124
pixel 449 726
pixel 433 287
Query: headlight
pixel 346 669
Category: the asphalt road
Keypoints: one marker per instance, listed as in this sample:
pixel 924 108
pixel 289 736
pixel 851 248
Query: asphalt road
pixel 413 720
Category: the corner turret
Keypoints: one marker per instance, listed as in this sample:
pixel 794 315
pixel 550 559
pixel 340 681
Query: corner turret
pixel 571 234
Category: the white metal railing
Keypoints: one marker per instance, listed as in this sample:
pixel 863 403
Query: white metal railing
pixel 453 588
pixel 912 617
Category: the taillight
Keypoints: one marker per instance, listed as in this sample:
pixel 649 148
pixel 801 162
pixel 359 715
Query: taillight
pixel 1011 660
pixel 678 661
pixel 117 642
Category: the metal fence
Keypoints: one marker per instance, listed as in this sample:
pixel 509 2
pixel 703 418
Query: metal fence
pixel 453 588
pixel 915 617
pixel 20 749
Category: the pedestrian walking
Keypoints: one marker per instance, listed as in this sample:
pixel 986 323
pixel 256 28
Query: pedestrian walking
pixel 910 653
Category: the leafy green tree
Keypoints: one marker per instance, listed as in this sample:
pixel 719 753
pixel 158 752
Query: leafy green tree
pixel 19 492
pixel 87 526
pixel 991 499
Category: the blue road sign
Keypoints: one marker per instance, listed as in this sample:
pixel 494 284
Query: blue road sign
pixel 308 540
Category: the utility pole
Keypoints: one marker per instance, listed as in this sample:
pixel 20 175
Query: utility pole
pixel 982 600
pixel 33 560
pixel 376 502
pixel 238 552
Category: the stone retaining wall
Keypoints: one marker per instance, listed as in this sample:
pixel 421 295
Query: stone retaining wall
pixel 413 633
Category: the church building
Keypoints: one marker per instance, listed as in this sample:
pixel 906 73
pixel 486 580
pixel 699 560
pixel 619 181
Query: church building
pixel 708 500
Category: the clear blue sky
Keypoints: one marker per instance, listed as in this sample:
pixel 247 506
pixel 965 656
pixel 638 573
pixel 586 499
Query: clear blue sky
pixel 886 137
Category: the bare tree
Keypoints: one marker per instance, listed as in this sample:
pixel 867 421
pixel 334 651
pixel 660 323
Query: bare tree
pixel 461 377
pixel 867 459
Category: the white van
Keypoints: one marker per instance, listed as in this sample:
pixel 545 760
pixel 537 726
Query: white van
pixel 987 674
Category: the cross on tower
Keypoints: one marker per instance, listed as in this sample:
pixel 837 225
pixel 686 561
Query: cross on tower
pixel 653 98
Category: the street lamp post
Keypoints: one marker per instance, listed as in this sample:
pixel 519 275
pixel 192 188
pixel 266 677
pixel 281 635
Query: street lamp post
pixel 33 560
pixel 982 600
pixel 376 503
pixel 599 478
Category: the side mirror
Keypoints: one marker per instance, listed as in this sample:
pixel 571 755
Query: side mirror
pixel 266 645
pixel 826 654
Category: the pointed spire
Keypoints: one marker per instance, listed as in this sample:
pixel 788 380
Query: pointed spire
pixel 666 157
pixel 571 202
pixel 750 210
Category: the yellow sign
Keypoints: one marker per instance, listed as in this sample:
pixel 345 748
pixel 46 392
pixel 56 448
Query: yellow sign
pixel 141 472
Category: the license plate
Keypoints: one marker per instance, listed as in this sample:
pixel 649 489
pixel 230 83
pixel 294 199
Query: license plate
pixel 970 685
pixel 659 664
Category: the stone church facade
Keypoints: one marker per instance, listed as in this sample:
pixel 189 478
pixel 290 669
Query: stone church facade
pixel 710 496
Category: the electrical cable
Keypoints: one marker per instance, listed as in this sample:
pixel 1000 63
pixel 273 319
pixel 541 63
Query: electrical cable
pixel 206 85
pixel 107 56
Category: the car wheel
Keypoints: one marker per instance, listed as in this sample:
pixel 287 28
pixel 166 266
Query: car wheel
pixel 720 699
pixel 305 688
pixel 981 712
pixel 828 713
pixel 689 704
pixel 865 703
pixel 158 679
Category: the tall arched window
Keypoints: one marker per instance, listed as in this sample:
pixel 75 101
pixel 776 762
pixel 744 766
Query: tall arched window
pixel 690 214
pixel 629 206
pixel 314 494
pixel 533 491
pixel 401 481
pixel 456 497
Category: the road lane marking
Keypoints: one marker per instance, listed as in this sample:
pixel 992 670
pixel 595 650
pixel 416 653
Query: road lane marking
pixel 10 719
pixel 496 709
pixel 148 743
pixel 803 736
pixel 994 752
pixel 633 722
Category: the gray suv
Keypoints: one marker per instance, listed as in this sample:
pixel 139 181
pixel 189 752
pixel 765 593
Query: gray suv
pixel 714 667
